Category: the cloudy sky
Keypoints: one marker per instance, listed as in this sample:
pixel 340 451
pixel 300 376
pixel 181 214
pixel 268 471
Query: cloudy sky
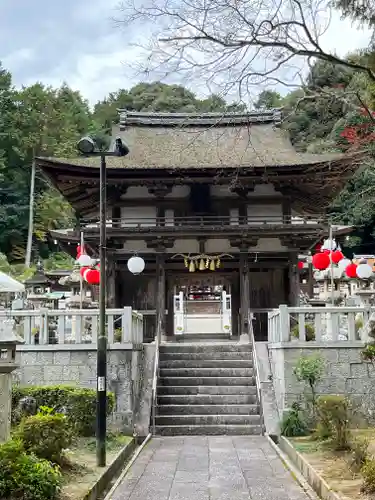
pixel 77 41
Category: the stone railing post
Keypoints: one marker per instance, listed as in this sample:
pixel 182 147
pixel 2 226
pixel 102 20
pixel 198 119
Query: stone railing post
pixel 284 323
pixel 8 343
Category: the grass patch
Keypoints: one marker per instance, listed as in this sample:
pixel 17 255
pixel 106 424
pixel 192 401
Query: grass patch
pixel 81 471
pixel 334 466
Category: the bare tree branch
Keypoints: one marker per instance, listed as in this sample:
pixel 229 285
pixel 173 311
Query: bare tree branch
pixel 235 43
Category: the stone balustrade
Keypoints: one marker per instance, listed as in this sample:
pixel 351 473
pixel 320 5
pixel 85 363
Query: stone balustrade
pixel 319 324
pixel 74 326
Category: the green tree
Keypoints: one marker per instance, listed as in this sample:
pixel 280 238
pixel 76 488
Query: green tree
pixel 357 10
pixel 43 121
pixel 157 97
pixel 268 99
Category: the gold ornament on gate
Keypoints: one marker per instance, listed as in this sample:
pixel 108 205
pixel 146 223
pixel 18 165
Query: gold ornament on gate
pixel 202 261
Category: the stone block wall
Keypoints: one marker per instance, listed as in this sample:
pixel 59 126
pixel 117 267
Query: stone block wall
pixel 76 365
pixel 345 373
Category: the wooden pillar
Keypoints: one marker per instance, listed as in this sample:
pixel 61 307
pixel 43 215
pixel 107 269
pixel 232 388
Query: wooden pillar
pixel 310 281
pixel 235 295
pixel 116 216
pixel 245 295
pixel 160 294
pixel 170 305
pixel 294 283
pixel 287 210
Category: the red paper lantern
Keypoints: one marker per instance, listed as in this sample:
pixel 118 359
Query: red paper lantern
pixel 351 270
pixel 321 261
pixel 336 256
pixel 300 265
pixel 326 251
pixel 318 247
pixel 79 249
pixel 82 271
pixel 78 255
pixel 92 276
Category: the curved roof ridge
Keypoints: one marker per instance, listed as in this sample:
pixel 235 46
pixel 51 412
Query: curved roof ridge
pixel 197 119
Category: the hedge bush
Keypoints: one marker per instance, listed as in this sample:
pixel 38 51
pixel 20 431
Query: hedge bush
pixel 368 475
pixel 77 403
pixel 293 423
pixel 333 417
pixel 46 434
pixel 26 477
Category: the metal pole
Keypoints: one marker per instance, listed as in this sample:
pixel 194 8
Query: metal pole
pixel 31 216
pixel 81 280
pixel 331 267
pixel 101 409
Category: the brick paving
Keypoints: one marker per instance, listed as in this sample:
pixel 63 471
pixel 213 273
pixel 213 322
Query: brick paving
pixel 208 468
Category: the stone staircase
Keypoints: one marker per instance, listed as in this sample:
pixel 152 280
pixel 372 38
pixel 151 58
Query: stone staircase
pixel 207 389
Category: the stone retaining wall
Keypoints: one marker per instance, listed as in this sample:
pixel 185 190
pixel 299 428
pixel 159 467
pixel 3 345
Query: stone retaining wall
pixel 345 373
pixel 76 365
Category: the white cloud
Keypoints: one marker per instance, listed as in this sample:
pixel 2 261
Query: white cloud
pixel 81 45
pixel 18 57
pixel 343 36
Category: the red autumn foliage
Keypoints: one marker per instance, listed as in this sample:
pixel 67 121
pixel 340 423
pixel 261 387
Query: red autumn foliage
pixel 360 134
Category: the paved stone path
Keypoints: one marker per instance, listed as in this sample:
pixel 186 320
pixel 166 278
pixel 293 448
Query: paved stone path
pixel 208 468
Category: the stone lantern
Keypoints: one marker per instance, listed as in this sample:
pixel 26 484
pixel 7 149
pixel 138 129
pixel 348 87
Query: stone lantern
pixel 8 342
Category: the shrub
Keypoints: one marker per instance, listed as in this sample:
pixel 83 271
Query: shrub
pixel 26 476
pixel 46 434
pixel 77 403
pixel 309 329
pixel 333 414
pixel 368 353
pixel 293 424
pixel 310 369
pixel 368 474
pixel 359 449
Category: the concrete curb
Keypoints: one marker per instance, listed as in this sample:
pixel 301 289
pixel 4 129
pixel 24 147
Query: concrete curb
pixel 125 471
pixel 317 483
pixel 109 473
pixel 297 476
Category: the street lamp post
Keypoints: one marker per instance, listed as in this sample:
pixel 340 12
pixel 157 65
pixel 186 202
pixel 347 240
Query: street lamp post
pixel 87 147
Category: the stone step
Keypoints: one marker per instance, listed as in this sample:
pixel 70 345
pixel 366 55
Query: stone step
pixel 206 372
pixel 210 409
pixel 208 430
pixel 203 363
pixel 229 347
pixel 206 355
pixel 207 399
pixel 210 390
pixel 208 419
pixel 211 381
pixel 202 337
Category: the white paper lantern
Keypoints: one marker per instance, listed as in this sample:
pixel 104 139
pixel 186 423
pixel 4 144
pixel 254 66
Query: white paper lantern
pixel 85 260
pixel 85 273
pixel 136 265
pixel 364 271
pixel 337 273
pixel 344 263
pixel 329 245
